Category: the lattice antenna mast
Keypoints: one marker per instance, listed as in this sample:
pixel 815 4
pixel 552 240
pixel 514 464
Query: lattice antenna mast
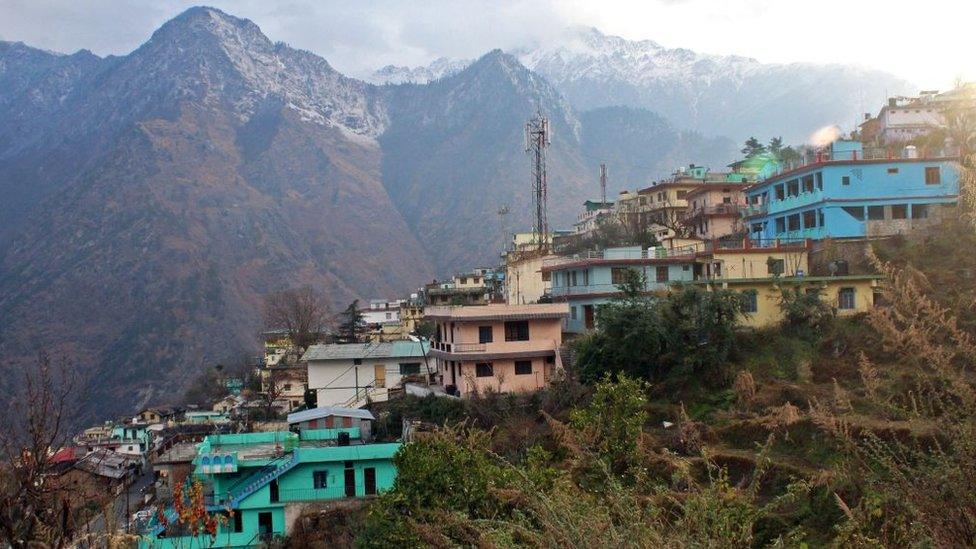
pixel 603 184
pixel 537 140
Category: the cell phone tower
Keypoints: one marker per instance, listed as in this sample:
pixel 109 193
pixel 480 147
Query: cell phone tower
pixel 537 140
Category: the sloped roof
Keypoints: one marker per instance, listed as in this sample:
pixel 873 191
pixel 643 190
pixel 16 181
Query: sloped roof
pixel 105 463
pixel 326 411
pixel 346 351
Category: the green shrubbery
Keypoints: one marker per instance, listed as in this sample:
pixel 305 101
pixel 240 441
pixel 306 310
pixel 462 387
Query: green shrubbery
pixel 687 332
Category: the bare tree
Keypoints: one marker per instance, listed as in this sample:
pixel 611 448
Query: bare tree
pixel 300 311
pixel 33 506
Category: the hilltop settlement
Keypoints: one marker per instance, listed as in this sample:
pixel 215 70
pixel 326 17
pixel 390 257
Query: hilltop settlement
pixel 314 425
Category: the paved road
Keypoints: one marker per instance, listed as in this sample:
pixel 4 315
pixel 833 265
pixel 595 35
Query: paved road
pixel 123 509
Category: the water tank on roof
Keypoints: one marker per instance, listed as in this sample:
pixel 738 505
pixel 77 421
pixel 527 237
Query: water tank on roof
pixel 909 151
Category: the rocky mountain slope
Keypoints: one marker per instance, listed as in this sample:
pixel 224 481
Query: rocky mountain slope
pixel 714 94
pixel 175 186
pixel 151 199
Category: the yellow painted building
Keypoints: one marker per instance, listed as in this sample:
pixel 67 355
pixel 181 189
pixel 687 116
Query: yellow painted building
pixel 848 295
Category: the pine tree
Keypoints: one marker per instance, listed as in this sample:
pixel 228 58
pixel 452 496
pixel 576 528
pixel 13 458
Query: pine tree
pixel 351 327
pixel 753 147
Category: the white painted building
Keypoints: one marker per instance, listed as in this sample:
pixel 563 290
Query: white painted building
pixel 348 374
pixel 381 311
pixel 904 119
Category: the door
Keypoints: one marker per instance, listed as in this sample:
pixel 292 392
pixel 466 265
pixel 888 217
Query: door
pixel 588 316
pixel 350 481
pixel 369 480
pixel 273 488
pixel 379 375
pixel 265 524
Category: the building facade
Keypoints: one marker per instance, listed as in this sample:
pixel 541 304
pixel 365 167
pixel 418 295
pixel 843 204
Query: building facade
pixel 586 281
pixel 265 478
pixel 350 374
pixel 502 348
pixel 843 195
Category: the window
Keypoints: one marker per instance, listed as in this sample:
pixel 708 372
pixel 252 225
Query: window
pixel 726 200
pixel 845 299
pixel 750 301
pixel 820 218
pixel 920 211
pixel 286 387
pixel 857 212
pixel 780 225
pixel 792 188
pixel 681 194
pixel 571 278
pixel 517 330
pixel 846 180
pixel 809 219
pixel 409 368
pixel 892 170
pixel 464 280
pixel 237 525
pixel 757 227
pixel 779 192
pixel 523 367
pixel 618 275
pixel 819 181
pixel 808 184
pixel 775 266
pixel 572 312
pixel 875 212
pixel 320 480
pixel 793 222
pixel 484 369
pixel 389 316
pixel 485 334
pixel 357 361
pixel 899 211
pixel 661 272
pixel 932 175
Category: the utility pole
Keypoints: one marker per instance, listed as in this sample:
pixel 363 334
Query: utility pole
pixel 537 140
pixel 603 184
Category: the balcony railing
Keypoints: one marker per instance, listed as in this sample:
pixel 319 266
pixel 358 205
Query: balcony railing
pixel 659 252
pixel 494 347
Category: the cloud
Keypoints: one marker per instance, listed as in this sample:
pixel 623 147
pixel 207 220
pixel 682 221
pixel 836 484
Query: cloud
pixel 358 37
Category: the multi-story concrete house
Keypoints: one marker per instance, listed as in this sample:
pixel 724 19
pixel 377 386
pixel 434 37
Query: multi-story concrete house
pixel 352 373
pixel 260 482
pixel 844 195
pixel 503 348
pixel 586 281
pixel 594 212
pixel 715 211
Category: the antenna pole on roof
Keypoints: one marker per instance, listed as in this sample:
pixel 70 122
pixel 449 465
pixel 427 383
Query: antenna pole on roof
pixel 603 184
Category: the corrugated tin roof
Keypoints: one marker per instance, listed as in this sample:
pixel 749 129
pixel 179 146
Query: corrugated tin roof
pixel 346 351
pixel 326 411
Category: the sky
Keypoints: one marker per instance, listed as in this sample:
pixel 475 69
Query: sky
pixel 928 43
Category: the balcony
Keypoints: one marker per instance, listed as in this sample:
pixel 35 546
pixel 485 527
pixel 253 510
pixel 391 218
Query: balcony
pixel 621 254
pixel 787 203
pixel 473 351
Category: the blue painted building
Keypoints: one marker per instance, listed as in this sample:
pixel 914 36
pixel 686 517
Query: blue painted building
pixel 588 280
pixel 844 195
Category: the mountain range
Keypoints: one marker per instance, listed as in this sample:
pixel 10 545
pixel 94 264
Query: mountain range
pixel 717 95
pixel 152 199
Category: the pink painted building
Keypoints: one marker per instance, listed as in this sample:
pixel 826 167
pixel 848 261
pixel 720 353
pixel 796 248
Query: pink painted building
pixel 503 348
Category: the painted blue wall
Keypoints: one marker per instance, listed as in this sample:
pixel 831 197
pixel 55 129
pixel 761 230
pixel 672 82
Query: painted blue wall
pixel 851 185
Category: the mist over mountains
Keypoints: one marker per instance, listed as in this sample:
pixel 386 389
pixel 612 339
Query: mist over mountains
pixel 718 95
pixel 150 200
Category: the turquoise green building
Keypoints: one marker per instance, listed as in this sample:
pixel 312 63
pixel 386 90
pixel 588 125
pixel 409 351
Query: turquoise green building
pixel 265 477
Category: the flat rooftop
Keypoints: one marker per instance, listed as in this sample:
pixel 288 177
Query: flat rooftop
pixel 498 312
